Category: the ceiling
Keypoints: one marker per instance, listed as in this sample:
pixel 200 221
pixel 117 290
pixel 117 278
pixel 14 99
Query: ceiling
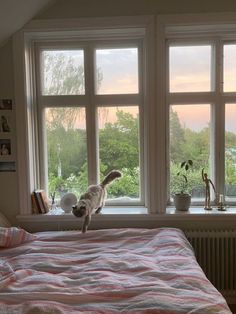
pixel 14 14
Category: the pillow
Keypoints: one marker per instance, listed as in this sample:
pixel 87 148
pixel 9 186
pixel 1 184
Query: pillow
pixel 13 236
pixel 3 221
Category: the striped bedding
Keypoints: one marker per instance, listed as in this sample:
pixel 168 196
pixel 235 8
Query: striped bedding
pixel 106 271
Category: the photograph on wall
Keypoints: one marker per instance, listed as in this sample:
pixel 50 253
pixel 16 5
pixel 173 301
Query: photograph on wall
pixel 5 104
pixel 5 123
pixel 7 166
pixel 5 147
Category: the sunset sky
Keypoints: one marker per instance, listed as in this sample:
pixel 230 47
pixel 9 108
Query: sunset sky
pixel 190 71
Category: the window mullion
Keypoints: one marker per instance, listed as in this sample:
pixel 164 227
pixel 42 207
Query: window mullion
pixel 91 119
pixel 195 97
pixel 60 100
pixel 122 99
pixel 218 117
pixel 39 129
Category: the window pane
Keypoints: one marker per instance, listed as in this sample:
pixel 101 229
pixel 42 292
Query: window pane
pixel 230 151
pixel 117 71
pixel 190 68
pixel 119 149
pixel 229 68
pixel 66 150
pixel 189 139
pixel 63 72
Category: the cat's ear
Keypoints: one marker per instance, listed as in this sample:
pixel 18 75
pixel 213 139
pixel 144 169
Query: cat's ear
pixel 74 206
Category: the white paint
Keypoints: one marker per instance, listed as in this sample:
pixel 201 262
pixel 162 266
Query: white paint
pixel 14 14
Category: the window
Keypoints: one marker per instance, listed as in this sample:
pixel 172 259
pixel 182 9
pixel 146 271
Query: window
pixel 62 72
pixel 190 139
pixel 190 68
pixel 89 101
pixel 66 150
pixel 229 109
pixel 126 95
pixel 117 71
pixel 230 152
pixel 189 122
pixel 229 68
pixel 119 145
pixel 201 101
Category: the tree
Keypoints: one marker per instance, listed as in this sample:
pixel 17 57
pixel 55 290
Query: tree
pixel 119 149
pixel 185 144
pixel 230 163
pixel 196 146
pixel 63 74
pixel 66 144
pixel 119 142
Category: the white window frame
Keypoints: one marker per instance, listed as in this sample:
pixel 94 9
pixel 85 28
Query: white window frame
pixel 30 158
pixel 91 102
pixel 155 31
pixel 196 29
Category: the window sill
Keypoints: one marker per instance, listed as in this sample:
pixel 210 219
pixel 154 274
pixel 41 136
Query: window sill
pixel 108 210
pixel 127 212
pixel 196 217
pixel 199 210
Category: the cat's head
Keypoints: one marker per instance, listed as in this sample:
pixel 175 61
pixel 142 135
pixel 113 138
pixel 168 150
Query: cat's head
pixel 80 209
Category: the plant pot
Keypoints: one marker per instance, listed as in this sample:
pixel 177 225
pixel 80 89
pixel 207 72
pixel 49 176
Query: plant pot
pixel 182 201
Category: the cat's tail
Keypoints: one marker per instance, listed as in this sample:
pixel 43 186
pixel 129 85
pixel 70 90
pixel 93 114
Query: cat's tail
pixel 114 174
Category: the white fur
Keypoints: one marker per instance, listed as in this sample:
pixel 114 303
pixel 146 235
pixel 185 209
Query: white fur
pixel 93 199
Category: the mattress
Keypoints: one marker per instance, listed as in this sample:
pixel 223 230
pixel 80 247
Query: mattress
pixel 106 271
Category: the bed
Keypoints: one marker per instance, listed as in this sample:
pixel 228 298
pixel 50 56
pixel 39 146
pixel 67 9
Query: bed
pixel 103 271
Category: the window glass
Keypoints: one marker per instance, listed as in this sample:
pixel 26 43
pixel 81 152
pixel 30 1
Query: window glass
pixel 229 68
pixel 119 149
pixel 63 72
pixel 117 71
pixel 66 150
pixel 230 151
pixel 190 68
pixel 189 139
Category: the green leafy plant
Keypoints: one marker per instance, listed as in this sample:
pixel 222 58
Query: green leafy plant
pixel 185 167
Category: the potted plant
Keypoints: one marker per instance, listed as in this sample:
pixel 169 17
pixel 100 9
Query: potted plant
pixel 182 200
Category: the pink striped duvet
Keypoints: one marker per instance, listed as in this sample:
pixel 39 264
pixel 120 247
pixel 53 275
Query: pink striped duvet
pixel 106 271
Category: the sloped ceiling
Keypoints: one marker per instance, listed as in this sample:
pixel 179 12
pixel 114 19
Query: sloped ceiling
pixel 14 14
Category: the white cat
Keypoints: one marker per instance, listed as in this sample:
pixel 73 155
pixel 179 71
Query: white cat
pixel 93 199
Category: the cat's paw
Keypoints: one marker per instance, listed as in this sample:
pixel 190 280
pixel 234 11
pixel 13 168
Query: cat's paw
pixel 98 210
pixel 84 229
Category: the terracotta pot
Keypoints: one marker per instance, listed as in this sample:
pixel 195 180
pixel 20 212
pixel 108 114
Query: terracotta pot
pixel 182 201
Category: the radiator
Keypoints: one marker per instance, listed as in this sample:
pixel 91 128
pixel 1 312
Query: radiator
pixel 215 252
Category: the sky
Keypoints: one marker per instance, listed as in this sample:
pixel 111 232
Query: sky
pixel 119 69
pixel 190 71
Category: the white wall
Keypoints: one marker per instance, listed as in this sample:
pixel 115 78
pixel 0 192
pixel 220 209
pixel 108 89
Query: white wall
pixel 89 8
pixel 8 180
pixel 100 8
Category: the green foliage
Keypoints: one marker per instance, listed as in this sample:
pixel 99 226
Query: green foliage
pixel 178 185
pixel 73 183
pixel 118 143
pixel 230 170
pixel 196 146
pixel 177 138
pixel 183 174
pixel 118 150
pixel 127 185
pixel 64 76
pixel 67 147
